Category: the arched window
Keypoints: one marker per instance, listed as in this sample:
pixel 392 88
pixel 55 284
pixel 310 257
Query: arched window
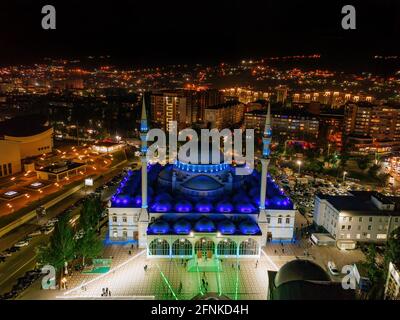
pixel 159 247
pixel 227 247
pixel 204 244
pixel 288 219
pixel 182 247
pixel 248 247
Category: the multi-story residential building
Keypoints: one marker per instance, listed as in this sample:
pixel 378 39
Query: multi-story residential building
pixel 371 128
pixel 225 115
pixel 392 288
pixel 361 216
pixel 170 106
pixel 245 95
pixel 281 94
pixel 286 124
pixel 333 99
pixel 203 99
pixel 183 106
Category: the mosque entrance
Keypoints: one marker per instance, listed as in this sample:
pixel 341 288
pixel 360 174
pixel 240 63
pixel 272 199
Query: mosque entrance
pixel 204 248
pixel 204 259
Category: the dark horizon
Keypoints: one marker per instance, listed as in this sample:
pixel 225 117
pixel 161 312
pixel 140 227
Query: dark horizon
pixel 156 32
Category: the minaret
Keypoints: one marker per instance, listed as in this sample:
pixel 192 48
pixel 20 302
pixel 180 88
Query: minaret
pixel 144 128
pixel 265 157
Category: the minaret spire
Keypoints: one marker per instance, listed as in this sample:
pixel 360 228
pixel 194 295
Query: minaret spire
pixel 143 119
pixel 267 135
pixel 144 128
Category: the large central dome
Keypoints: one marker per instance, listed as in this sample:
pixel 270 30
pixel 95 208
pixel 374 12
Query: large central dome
pixel 214 156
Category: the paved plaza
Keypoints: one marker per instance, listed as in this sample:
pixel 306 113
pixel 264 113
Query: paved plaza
pixel 168 279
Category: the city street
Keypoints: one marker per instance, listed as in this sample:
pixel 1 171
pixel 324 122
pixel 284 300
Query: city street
pixel 96 164
pixel 24 260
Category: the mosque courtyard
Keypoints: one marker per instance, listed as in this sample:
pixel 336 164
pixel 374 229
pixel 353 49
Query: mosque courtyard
pixel 168 279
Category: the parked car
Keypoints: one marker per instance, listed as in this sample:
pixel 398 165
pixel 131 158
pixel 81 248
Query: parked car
pixel 22 243
pixel 5 254
pixel 48 230
pixel 52 220
pixel 332 268
pixel 12 249
pixel 37 232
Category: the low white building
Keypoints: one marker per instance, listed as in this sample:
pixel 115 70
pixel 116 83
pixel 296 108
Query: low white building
pixel 361 216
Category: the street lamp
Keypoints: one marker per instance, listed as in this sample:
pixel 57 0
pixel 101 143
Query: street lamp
pixel 344 175
pixel 299 164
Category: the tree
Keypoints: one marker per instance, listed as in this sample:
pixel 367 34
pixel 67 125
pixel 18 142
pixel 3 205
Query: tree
pixel 371 265
pixel 392 249
pixel 363 163
pixel 61 246
pixel 90 214
pixel 374 169
pixel 343 160
pixel 89 246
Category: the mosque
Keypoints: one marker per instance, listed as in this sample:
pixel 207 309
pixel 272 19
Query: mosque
pixel 185 210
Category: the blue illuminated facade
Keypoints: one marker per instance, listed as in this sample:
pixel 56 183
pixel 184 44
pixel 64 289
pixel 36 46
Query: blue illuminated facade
pixel 192 207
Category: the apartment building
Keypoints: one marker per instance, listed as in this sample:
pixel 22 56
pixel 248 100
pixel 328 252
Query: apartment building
pixel 287 124
pixel 361 216
pixel 224 115
pixel 371 128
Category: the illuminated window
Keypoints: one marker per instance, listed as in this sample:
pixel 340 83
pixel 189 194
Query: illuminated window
pixel 248 247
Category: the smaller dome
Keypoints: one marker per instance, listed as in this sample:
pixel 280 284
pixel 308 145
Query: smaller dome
pixel 161 206
pixel 248 227
pixel 137 200
pixel 226 227
pixel 245 207
pixel 122 199
pixel 182 226
pixel 204 206
pixel 224 206
pixel 183 206
pixel 300 270
pixel 159 227
pixel 204 225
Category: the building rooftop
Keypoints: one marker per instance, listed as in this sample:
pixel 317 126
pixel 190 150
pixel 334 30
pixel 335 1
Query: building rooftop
pixel 361 203
pixel 61 167
pixel 163 199
pixel 284 112
pixel 225 105
pixel 24 126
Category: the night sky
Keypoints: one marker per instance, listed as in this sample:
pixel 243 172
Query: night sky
pixel 151 32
